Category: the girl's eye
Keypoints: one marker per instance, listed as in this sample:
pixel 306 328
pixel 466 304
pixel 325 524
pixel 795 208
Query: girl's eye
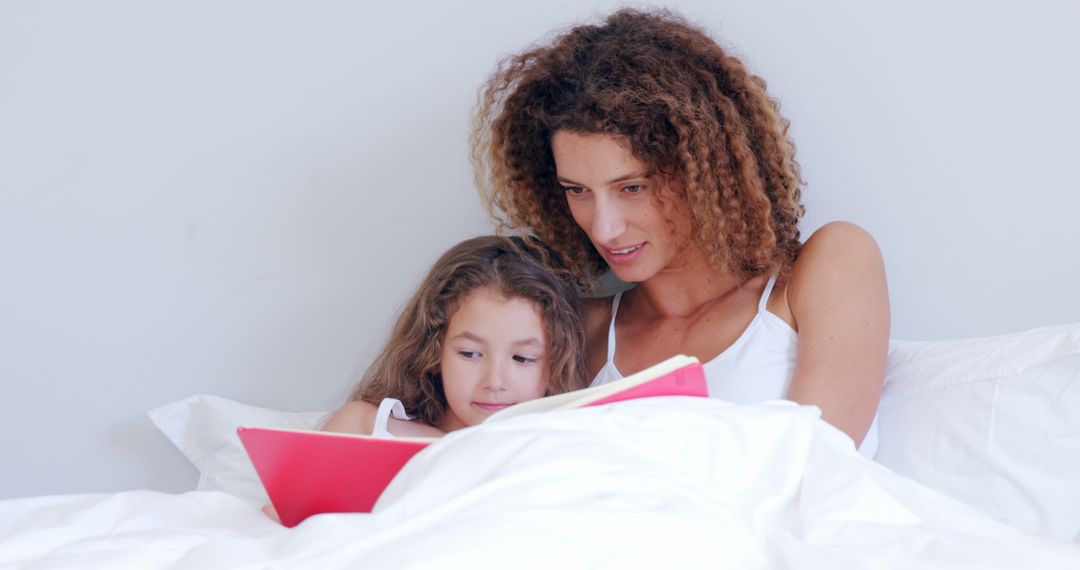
pixel 634 188
pixel 469 354
pixel 525 359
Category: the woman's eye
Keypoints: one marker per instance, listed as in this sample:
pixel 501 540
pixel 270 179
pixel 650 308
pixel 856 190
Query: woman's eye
pixel 574 190
pixel 634 188
pixel 525 359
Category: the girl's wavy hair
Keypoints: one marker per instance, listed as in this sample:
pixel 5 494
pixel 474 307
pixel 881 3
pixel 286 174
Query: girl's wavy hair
pixel 408 366
pixel 684 106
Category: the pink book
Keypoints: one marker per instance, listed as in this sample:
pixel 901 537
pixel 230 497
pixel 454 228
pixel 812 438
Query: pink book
pixel 311 472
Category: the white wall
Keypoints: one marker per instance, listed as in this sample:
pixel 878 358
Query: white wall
pixel 234 198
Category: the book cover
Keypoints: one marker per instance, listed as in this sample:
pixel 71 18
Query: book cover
pixel 312 472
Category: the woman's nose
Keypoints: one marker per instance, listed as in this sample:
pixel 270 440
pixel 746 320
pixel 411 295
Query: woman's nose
pixel 608 222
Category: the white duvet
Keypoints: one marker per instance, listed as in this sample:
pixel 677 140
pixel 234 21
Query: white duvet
pixel 659 483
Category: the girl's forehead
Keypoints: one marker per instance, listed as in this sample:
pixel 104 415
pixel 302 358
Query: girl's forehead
pixel 492 319
pixel 489 304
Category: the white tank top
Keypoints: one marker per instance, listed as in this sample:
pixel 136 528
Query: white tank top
pixel 757 367
pixel 388 407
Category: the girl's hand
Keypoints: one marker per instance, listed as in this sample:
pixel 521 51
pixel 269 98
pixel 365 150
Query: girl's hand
pixel 271 512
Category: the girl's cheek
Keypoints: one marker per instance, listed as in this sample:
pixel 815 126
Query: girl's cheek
pixel 541 387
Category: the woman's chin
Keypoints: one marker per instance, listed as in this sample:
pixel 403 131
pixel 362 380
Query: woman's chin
pixel 631 274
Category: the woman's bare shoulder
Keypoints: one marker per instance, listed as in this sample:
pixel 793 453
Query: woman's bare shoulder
pixel 836 252
pixel 356 416
pixel 837 255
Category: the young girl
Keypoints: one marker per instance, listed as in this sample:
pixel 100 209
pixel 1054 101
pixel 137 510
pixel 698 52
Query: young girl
pixel 489 327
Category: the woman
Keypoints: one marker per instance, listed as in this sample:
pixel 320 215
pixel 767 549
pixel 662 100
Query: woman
pixel 639 145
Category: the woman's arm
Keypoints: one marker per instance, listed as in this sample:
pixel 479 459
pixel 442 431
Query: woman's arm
pixel 839 301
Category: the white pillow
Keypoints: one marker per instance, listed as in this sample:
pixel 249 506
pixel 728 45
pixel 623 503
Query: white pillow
pixel 994 422
pixel 204 429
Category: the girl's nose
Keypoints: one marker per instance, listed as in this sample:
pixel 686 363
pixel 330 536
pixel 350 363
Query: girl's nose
pixel 494 377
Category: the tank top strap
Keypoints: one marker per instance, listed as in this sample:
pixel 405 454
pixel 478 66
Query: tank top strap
pixel 388 407
pixel 765 294
pixel 611 328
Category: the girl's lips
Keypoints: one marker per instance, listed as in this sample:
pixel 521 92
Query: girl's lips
pixel 490 406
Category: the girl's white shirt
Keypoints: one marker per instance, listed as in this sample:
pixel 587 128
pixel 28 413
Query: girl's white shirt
pixel 388 407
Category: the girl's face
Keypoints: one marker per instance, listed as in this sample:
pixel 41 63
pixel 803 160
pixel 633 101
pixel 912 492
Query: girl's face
pixel 614 200
pixel 494 355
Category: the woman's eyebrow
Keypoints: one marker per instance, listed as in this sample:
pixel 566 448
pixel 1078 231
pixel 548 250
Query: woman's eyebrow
pixel 623 178
pixel 631 176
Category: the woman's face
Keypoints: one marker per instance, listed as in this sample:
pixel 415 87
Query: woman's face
pixel 613 198
pixel 494 356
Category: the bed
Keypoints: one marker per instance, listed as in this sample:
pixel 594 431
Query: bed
pixel 978 466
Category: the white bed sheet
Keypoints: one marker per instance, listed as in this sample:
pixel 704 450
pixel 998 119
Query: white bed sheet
pixel 666 482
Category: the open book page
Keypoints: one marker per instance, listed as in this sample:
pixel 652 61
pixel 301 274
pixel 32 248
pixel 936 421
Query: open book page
pixel 666 375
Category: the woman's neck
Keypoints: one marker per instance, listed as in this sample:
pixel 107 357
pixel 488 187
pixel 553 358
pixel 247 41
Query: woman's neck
pixel 682 291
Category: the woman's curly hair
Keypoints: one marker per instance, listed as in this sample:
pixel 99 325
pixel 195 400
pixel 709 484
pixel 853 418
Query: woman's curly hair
pixel 687 109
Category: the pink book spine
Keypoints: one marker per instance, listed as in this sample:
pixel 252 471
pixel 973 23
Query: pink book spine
pixel 686 381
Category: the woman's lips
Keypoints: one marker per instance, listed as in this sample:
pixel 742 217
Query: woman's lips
pixel 491 406
pixel 624 254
